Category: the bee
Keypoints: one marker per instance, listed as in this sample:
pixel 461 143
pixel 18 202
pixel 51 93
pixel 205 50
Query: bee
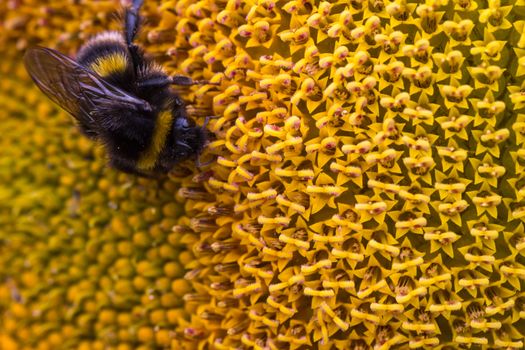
pixel 121 98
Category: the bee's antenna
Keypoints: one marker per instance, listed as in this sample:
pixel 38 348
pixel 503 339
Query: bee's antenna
pixel 199 164
pixel 207 120
pixel 183 80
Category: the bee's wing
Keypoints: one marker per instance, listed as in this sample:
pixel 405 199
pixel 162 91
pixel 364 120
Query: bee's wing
pixel 75 88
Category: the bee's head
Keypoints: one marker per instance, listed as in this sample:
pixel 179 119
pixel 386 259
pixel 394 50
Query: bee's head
pixel 188 139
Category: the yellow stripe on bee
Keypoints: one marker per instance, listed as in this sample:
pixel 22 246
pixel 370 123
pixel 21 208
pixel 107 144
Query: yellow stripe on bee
pixel 112 63
pixel 162 127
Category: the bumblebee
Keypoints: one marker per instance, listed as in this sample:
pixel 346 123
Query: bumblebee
pixel 121 98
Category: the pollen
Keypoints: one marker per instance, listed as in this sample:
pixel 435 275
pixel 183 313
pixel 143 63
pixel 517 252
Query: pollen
pixel 366 191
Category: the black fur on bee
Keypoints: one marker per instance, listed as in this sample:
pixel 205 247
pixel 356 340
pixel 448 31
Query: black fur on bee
pixel 121 98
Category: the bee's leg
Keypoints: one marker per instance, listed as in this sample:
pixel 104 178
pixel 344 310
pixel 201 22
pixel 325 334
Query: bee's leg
pixel 131 27
pixel 198 162
pixel 132 20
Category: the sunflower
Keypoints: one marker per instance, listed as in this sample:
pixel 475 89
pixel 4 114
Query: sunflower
pixel 366 189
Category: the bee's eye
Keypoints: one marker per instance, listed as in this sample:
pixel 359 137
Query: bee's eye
pixel 184 123
pixel 181 123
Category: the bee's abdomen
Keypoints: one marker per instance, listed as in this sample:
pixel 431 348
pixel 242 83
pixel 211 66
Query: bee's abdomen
pixel 159 139
pixel 107 55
